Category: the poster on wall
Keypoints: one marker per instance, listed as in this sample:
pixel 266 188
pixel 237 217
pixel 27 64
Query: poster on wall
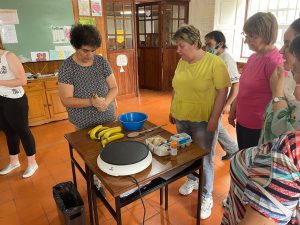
pixel 122 60
pixel 96 7
pixel 87 21
pixel 9 16
pixel 61 34
pixel 39 56
pixel 8 34
pixel 84 8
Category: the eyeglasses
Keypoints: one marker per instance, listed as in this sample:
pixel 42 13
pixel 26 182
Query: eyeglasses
pixel 249 37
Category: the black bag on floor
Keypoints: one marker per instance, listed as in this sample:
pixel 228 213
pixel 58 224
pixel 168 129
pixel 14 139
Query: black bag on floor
pixel 69 204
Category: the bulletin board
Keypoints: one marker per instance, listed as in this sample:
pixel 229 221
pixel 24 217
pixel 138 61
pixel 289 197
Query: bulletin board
pixel 36 19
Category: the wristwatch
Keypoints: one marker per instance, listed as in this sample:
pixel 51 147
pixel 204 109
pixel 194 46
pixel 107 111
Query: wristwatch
pixel 278 99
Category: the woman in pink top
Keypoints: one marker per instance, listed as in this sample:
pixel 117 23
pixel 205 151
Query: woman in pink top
pixel 260 32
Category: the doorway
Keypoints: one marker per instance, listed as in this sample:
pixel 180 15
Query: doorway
pixel 157 58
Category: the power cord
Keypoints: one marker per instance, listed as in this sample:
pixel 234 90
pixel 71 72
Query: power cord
pixel 140 193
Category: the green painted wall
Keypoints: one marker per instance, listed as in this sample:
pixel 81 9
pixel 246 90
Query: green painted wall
pixel 35 20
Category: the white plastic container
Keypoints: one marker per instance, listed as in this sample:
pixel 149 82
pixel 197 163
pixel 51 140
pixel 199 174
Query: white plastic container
pixel 183 139
pixel 158 145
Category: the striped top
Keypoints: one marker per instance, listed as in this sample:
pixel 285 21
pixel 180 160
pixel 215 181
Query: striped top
pixel 268 179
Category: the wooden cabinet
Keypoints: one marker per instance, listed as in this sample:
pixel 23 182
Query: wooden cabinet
pixel 44 103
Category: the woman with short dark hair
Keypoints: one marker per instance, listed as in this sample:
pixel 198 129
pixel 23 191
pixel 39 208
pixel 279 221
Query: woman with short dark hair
pixel 87 86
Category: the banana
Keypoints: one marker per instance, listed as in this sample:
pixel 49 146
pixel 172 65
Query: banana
pixel 93 131
pixel 100 134
pixel 111 138
pixel 112 131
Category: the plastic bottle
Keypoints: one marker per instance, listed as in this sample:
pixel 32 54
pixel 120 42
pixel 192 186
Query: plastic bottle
pixel 173 149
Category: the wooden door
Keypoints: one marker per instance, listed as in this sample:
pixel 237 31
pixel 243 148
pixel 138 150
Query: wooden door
pixel 120 29
pixel 38 106
pixel 175 15
pixel 149 45
pixel 56 108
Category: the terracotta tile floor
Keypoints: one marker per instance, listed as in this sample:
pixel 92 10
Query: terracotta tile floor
pixel 29 201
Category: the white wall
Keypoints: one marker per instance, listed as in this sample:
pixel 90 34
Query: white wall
pixel 225 15
pixel 201 15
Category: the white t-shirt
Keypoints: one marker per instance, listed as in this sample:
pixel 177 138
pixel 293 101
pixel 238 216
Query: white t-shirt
pixel 231 67
pixel 7 74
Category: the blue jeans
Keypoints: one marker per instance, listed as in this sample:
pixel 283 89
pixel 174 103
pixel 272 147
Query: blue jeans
pixel 206 140
pixel 228 145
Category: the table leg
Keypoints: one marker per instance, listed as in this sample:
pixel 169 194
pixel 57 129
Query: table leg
pixel 73 166
pixel 118 211
pixel 166 197
pixel 95 208
pixel 200 176
pixel 161 196
pixel 89 180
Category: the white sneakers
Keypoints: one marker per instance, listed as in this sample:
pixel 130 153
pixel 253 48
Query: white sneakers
pixel 28 172
pixel 9 168
pixel 188 187
pixel 206 203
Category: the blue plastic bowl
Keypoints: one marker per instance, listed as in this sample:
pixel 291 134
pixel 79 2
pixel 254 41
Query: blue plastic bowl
pixel 133 120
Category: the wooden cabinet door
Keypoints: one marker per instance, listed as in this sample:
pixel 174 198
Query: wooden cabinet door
pixel 149 31
pixel 56 108
pixel 38 106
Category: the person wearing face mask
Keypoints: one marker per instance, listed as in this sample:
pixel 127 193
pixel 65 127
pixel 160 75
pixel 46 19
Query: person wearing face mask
pixel 265 186
pixel 215 43
pixel 255 93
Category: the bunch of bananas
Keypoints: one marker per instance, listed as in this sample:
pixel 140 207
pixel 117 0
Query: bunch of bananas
pixel 106 134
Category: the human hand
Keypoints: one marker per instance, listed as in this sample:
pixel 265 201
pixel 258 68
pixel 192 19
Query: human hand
pixel 212 125
pixel 172 119
pixel 277 81
pixel 99 103
pixel 231 118
pixel 102 105
pixel 226 109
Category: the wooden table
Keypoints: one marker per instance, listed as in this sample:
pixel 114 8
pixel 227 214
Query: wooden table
pixel 89 151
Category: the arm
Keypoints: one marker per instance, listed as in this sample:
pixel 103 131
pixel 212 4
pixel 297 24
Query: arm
pixel 171 118
pixel 66 92
pixel 111 95
pixel 217 110
pixel 253 217
pixel 232 114
pixel 17 69
pixel 276 85
pixel 282 118
pixel 232 95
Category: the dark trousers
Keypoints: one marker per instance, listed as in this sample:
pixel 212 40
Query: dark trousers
pixel 247 137
pixel 14 123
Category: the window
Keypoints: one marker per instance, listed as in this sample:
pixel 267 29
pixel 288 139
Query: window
pixel 119 25
pixel 286 11
pixel 175 17
pixel 148 26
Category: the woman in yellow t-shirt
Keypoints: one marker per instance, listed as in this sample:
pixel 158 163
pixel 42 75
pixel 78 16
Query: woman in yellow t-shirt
pixel 200 86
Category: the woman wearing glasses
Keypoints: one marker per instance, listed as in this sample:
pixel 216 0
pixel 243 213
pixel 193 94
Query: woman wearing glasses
pixel 255 93
pixel 265 180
